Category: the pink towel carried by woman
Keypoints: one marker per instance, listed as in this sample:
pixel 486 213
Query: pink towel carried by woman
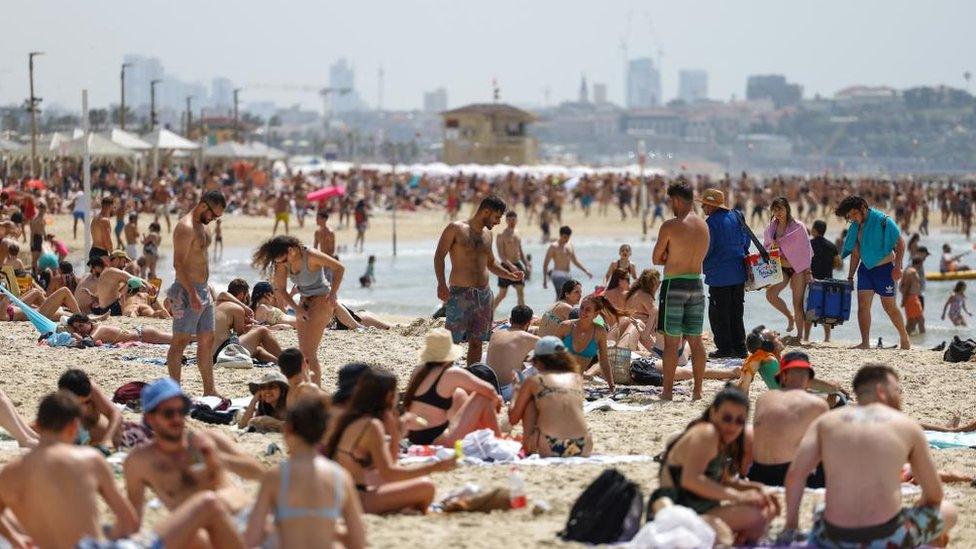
pixel 794 245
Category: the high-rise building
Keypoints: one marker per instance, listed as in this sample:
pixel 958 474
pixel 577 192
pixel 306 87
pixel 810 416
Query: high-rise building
pixel 692 85
pixel 584 91
pixel 342 77
pixel 773 87
pixel 221 95
pixel 643 84
pixel 435 101
pixel 599 93
pixel 141 71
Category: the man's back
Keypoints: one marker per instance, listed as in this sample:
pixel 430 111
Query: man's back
pixel 52 491
pixel 507 350
pixel 781 419
pixel 224 319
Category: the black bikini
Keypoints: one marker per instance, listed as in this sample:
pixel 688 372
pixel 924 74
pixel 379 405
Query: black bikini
pixel 364 462
pixel 431 398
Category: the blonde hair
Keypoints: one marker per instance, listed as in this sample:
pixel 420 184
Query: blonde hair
pixel 648 281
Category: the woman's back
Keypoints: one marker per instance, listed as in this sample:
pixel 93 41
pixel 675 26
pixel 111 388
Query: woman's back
pixel 559 400
pixel 642 305
pixel 351 452
pixel 308 501
pixel 552 318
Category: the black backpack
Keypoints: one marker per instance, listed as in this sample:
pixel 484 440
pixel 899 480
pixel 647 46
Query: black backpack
pixel 959 350
pixel 643 372
pixel 608 511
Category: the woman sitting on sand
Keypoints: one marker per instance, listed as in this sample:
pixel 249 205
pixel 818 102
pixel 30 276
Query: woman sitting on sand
pixel 641 300
pixel 586 340
pixel 550 405
pixel 265 311
pixel 366 442
pixel 138 301
pixel 80 326
pixel 569 297
pixel 697 471
pixel 452 402
pixel 307 494
pixel 59 304
pixel 266 412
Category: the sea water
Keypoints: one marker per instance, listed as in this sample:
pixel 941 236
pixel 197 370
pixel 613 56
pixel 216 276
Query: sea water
pixel 405 284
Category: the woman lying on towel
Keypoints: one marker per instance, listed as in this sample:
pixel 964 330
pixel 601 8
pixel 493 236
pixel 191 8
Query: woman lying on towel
pixel 80 327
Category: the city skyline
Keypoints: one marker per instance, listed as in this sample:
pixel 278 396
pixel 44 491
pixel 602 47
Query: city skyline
pixel 425 45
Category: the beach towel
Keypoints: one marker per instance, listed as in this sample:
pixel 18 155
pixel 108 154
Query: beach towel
pixel 941 441
pixel 533 460
pixel 794 244
pixel 43 324
pixel 880 236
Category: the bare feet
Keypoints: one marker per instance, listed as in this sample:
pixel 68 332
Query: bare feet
pixel 861 346
pixel 791 324
pixel 696 396
pixel 667 396
pixel 906 345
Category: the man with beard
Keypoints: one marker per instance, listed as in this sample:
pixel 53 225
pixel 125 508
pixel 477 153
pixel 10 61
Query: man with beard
pixel 193 307
pixel 178 464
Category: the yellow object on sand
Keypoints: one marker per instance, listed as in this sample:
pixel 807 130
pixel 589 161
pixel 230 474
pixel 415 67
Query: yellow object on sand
pixel 952 275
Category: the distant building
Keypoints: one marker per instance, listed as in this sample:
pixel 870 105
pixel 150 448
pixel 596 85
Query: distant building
pixel 692 85
pixel 867 95
pixel 221 94
pixel 774 87
pixel 643 84
pixel 138 75
pixel 489 133
pixel 435 101
pixel 599 94
pixel 343 77
pixel 584 91
pixel 758 145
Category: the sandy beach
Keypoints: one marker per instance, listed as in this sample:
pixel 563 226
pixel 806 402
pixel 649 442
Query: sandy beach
pixel 933 390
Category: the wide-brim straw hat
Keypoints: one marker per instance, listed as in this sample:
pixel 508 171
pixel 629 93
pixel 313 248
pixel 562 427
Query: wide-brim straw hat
pixel 714 198
pixel 273 377
pixel 439 347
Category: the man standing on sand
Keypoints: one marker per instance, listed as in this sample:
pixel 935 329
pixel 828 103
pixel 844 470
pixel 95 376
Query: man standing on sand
pixel 101 230
pixel 561 253
pixel 281 206
pixel 131 232
pixel 38 232
pixel 725 274
pixel 780 421
pixel 681 247
pixel 507 350
pixel 877 253
pixel 512 257
pixel 192 304
pixel 863 449
pixel 468 299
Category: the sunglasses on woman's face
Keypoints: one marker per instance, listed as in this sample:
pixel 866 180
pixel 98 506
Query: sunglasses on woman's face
pixel 729 419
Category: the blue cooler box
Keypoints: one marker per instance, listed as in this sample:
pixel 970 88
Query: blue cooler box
pixel 829 301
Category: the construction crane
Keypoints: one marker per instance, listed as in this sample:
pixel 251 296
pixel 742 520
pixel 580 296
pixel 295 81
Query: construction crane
pixel 325 93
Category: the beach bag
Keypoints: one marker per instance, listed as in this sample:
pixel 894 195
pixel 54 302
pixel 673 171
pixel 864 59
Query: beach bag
pixel 959 350
pixel 643 372
pixel 608 511
pixel 619 358
pixel 764 271
pixel 129 394
pixel 234 355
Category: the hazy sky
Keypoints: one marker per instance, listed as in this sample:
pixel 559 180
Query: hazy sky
pixel 528 45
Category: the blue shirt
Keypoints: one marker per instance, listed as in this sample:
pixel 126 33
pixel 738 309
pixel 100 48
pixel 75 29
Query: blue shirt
pixel 728 243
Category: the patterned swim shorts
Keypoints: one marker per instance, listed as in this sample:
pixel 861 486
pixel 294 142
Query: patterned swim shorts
pixel 911 527
pixel 681 308
pixel 469 313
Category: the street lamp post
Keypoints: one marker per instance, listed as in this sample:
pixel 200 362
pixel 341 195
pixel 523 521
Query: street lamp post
pixel 189 116
pixel 152 104
pixel 237 125
pixel 122 101
pixel 32 107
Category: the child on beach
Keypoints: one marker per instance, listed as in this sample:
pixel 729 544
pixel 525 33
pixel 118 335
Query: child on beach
pixel 368 278
pixel 911 291
pixel 622 264
pixel 956 304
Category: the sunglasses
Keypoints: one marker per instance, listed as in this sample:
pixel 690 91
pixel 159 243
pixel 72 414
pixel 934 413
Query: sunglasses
pixel 170 413
pixel 729 419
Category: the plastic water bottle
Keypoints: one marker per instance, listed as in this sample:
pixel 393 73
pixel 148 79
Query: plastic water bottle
pixel 516 489
pixel 421 450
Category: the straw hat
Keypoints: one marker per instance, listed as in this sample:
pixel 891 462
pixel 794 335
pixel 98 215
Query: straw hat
pixel 273 377
pixel 440 347
pixel 714 198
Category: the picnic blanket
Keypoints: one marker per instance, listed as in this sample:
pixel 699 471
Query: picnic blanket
pixel 941 441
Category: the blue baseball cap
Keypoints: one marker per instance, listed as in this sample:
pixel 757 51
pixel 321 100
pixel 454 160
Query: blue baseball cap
pixel 160 391
pixel 548 345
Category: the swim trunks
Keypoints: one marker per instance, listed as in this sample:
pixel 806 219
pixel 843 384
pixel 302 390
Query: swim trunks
pixel 505 283
pixel 283 216
pixel 911 527
pixel 469 313
pixel 232 340
pixel 119 225
pixel 681 308
pixel 132 251
pixel 37 243
pixel 913 308
pixel 185 319
pixel 877 279
pixel 78 215
pixel 558 279
pixel 115 309
pixel 775 475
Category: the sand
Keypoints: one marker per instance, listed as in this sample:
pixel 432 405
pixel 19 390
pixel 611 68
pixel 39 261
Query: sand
pixel 933 390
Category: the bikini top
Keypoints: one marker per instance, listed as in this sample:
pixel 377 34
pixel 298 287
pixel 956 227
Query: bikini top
pixel 284 512
pixel 431 398
pixel 547 390
pixel 310 283
pixel 364 462
pixel 591 349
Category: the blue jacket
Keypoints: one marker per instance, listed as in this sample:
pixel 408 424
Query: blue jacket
pixel 728 244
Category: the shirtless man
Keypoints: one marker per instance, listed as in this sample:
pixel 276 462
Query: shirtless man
pixel 911 295
pixel 877 253
pixel 234 315
pixel 107 297
pixel 324 238
pixel 160 200
pixel 85 292
pixel 469 300
pixel 177 464
pixel 38 231
pixel 131 231
pixel 512 257
pixel 561 253
pixel 293 366
pixel 780 421
pixel 52 490
pixel 863 449
pixel 101 230
pixel 101 421
pixel 507 350
pixel 192 305
pixel 81 326
pixel 281 206
pixel 681 246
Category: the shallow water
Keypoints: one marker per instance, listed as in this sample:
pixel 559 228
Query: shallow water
pixel 405 284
